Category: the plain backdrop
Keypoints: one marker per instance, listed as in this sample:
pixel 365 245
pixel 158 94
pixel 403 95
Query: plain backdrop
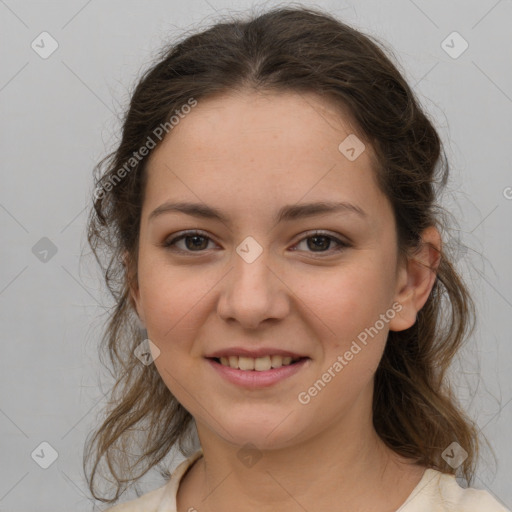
pixel 60 115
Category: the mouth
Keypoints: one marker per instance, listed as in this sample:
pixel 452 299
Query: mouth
pixel 257 364
pixel 256 373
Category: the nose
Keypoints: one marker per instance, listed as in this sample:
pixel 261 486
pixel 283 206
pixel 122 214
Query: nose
pixel 253 291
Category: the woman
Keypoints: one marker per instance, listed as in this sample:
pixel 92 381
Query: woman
pixel 270 222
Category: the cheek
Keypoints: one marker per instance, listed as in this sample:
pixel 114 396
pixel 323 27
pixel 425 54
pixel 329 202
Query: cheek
pixel 170 297
pixel 349 306
pixel 173 300
pixel 165 288
pixel 350 295
pixel 354 342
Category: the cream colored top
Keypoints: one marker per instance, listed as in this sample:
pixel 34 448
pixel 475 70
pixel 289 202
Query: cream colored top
pixel 435 492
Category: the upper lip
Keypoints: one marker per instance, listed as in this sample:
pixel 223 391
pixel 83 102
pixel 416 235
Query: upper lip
pixel 254 353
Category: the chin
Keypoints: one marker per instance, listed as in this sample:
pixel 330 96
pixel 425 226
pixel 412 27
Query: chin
pixel 265 432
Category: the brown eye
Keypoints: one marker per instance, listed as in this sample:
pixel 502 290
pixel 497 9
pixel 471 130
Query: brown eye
pixel 320 242
pixel 195 241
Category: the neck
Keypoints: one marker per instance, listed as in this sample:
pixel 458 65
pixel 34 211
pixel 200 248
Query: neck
pixel 346 464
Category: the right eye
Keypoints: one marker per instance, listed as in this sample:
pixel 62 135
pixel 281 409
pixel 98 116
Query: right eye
pixel 197 241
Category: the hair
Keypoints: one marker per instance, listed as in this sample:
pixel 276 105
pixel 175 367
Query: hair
pixel 293 50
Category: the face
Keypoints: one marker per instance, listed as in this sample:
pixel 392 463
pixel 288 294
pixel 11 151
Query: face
pixel 308 282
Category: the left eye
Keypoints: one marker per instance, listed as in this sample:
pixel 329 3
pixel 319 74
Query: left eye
pixel 319 240
pixel 322 240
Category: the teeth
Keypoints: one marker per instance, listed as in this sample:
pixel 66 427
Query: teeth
pixel 262 363
pixel 246 363
pixel 259 364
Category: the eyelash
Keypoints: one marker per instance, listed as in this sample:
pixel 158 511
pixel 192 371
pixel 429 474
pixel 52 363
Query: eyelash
pixel 169 243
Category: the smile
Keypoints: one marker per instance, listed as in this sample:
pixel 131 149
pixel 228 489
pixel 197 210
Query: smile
pixel 259 372
pixel 259 364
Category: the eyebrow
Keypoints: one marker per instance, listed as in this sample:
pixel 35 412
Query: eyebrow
pixel 286 213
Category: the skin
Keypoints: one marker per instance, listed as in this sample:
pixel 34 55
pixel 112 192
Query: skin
pixel 248 154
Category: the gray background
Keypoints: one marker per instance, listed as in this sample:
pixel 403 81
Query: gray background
pixel 59 116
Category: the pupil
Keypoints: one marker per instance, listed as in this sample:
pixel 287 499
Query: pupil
pixel 195 245
pixel 322 246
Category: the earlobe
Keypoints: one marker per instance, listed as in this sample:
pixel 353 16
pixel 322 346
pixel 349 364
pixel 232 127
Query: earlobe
pixel 133 287
pixel 416 279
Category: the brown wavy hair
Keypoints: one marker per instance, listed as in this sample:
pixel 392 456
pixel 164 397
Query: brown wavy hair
pixel 293 50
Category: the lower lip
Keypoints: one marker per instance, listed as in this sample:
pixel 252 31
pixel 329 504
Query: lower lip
pixel 253 379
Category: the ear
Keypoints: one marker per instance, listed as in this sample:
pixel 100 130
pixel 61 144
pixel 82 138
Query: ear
pixel 415 279
pixel 133 286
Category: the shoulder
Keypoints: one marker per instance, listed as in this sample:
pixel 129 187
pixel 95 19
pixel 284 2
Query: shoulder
pixel 439 491
pixel 148 502
pixel 163 498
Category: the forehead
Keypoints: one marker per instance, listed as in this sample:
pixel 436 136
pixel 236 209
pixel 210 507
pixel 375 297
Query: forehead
pixel 226 123
pixel 254 149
